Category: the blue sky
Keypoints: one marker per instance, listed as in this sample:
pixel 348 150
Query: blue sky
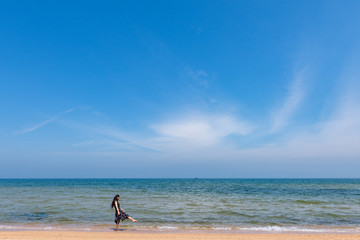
pixel 180 89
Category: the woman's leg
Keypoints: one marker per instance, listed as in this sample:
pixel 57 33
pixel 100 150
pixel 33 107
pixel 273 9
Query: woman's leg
pixel 133 220
pixel 117 225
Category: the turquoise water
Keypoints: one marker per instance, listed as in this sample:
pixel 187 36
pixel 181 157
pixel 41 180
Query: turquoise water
pixel 218 204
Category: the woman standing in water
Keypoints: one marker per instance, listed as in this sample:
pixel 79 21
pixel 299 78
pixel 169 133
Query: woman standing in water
pixel 120 214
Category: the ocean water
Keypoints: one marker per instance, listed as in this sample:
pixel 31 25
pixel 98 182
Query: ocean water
pixel 280 205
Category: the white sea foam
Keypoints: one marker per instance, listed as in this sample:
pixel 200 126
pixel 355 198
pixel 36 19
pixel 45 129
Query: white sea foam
pixel 298 229
pixel 253 229
pixel 44 227
pixel 223 228
pixel 281 229
pixel 167 227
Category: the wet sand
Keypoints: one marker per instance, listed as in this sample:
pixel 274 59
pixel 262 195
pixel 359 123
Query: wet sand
pixel 79 235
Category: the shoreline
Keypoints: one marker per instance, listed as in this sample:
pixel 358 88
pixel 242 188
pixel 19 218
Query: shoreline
pixel 82 235
pixel 106 228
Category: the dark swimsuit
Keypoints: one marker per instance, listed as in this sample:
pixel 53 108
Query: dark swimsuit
pixel 122 216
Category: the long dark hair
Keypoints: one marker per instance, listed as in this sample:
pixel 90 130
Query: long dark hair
pixel 114 200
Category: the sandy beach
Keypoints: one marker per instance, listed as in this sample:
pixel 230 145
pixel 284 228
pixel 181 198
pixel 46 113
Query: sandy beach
pixel 78 235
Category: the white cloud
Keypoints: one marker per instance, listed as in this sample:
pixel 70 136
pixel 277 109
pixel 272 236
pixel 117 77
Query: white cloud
pixel 188 134
pixel 281 116
pixel 200 131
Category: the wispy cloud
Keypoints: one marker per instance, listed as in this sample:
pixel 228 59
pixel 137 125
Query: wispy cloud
pixel 195 79
pixel 84 143
pixel 105 145
pixel 296 94
pixel 198 76
pixel 37 126
pixel 334 139
pixel 109 138
pixel 200 85
pixel 43 123
pixel 69 110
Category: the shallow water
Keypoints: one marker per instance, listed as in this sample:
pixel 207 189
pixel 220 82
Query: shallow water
pixel 224 204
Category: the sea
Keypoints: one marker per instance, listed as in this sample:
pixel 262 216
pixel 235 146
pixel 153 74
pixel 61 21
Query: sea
pixel 223 205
